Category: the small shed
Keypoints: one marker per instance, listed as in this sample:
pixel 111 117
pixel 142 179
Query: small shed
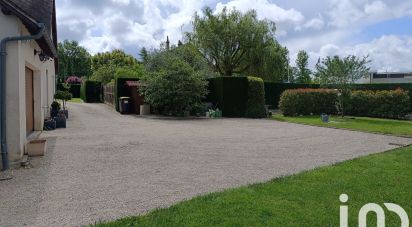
pixel 136 99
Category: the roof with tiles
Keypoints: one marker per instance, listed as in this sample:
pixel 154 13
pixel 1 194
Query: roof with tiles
pixel 32 12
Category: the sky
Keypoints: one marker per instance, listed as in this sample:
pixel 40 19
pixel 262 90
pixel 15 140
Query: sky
pixel 381 29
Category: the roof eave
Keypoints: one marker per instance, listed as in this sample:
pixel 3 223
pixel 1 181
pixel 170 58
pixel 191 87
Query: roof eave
pixel 32 25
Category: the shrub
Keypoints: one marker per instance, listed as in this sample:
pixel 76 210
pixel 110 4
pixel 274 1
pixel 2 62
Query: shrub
pixel 55 106
pixel 91 91
pixel 175 89
pixel 273 91
pixel 255 107
pixel 308 101
pixel 64 96
pixel 385 104
pixel 73 80
pixel 62 87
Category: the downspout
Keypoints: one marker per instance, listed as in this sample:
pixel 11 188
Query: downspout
pixel 3 54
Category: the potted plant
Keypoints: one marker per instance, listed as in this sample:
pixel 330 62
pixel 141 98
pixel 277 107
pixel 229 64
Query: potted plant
pixel 49 124
pixel 64 96
pixel 60 119
pixel 55 107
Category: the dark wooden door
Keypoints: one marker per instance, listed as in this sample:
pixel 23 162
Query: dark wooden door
pixel 29 102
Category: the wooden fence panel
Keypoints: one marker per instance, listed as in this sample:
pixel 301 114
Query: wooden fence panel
pixel 109 97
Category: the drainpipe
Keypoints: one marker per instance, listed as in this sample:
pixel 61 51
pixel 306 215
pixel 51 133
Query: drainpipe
pixel 3 54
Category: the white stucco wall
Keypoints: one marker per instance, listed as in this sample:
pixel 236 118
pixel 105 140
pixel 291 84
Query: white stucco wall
pixel 20 55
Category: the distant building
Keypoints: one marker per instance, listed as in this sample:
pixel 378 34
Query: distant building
pixel 390 77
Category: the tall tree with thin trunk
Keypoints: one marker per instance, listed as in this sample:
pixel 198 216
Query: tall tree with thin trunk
pixel 302 72
pixel 342 73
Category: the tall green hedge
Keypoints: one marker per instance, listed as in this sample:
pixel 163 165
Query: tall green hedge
pixel 238 96
pixel 91 91
pixel 75 90
pixel 273 91
pixel 255 107
pixel 119 89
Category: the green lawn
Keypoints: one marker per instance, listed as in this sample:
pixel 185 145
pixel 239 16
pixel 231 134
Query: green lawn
pixel 365 124
pixel 76 100
pixel 307 199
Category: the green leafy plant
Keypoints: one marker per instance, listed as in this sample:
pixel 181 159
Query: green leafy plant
pixel 235 43
pixel 342 73
pixel 308 101
pixel 55 106
pixel 176 88
pixel 385 104
pixel 64 96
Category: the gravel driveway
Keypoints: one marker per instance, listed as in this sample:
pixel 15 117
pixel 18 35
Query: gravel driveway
pixel 106 166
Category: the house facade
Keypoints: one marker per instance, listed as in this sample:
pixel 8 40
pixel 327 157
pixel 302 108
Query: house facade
pixel 390 77
pixel 28 35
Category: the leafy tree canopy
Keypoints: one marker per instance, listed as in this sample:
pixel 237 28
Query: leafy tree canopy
pixel 158 60
pixel 234 42
pixel 106 66
pixel 116 58
pixel 74 60
pixel 302 72
pixel 342 73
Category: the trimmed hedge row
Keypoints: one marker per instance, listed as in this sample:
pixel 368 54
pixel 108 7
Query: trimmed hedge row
pixel 384 104
pixel 308 101
pixel 91 91
pixel 388 87
pixel 238 96
pixel 75 90
pixel 255 107
pixel 274 90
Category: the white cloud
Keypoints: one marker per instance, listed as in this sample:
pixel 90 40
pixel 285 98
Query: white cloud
pixel 375 7
pixel 285 19
pixel 388 53
pixel 317 26
pixel 315 23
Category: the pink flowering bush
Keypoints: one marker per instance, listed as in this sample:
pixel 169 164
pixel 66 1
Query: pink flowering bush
pixel 73 80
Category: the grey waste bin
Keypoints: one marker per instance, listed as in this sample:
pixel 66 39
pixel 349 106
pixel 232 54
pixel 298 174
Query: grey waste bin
pixel 124 105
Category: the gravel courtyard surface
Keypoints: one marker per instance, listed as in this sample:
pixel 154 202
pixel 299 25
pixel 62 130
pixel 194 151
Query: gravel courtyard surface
pixel 106 166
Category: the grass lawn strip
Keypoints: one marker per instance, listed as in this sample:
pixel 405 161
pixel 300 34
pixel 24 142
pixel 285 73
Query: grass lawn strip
pixel 307 199
pixel 364 124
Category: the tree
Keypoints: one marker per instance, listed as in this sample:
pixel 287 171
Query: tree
pixel 342 73
pixel 269 63
pixel 230 39
pixel 116 58
pixel 74 60
pixel 104 74
pixel 302 73
pixel 105 65
pixel 159 59
pixel 144 54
